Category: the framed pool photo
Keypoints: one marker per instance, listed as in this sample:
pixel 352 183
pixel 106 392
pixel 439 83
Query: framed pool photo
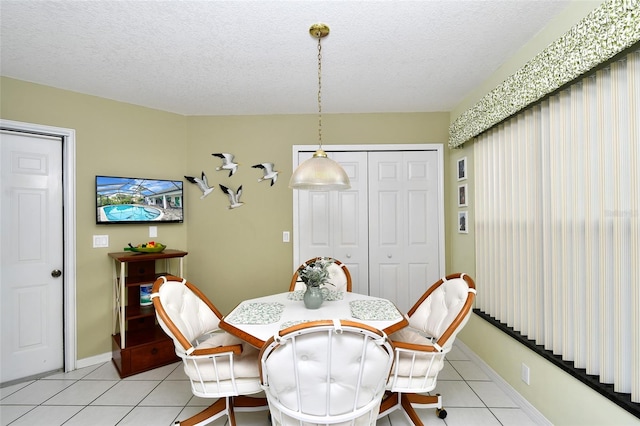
pixel 124 200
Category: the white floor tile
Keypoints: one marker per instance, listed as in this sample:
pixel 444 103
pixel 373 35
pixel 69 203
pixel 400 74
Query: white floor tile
pixel 73 375
pixel 196 401
pixel 9 413
pixel 469 370
pixel 6 391
pixel 159 373
pixel 37 392
pixel 106 371
pixel 150 416
pixel 99 416
pixel 97 396
pixel 456 354
pixel 457 394
pixel 82 392
pixel 54 415
pixel 169 393
pixel 512 417
pixel 492 395
pixel 459 416
pixel 177 373
pixel 449 373
pixel 126 393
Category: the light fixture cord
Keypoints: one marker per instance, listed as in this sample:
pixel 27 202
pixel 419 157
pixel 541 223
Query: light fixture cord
pixel 319 91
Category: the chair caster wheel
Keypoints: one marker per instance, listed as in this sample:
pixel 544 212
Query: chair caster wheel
pixel 441 413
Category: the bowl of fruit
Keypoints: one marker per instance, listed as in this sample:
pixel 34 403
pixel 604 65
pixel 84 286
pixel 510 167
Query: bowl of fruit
pixel 150 247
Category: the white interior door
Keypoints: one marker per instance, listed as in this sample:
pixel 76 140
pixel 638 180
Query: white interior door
pixel 335 222
pixel 404 255
pixel 388 228
pixel 31 217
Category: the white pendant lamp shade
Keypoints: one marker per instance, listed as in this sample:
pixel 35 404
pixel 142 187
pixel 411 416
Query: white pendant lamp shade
pixel 320 173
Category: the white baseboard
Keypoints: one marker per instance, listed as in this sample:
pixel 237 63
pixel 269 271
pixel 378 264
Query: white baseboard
pixel 93 360
pixel 525 405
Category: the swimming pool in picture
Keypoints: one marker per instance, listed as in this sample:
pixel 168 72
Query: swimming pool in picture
pixel 130 212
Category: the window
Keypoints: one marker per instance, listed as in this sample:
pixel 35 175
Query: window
pixel 558 224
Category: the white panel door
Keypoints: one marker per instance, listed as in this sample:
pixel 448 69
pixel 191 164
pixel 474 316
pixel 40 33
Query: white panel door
pixel 404 253
pixel 387 228
pixel 334 223
pixel 31 250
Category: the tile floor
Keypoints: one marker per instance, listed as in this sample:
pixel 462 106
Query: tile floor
pixel 96 396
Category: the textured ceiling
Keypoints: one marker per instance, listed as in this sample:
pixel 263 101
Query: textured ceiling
pixel 257 57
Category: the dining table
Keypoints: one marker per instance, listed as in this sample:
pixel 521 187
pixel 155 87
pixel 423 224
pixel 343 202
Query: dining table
pixel 256 320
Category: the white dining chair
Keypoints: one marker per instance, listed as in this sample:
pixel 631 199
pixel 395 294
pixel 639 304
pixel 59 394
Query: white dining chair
pixel 339 276
pixel 420 349
pixel 218 364
pixel 325 373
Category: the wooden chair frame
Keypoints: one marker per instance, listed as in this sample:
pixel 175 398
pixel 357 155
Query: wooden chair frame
pixel 325 326
pixel 408 399
pixel 226 402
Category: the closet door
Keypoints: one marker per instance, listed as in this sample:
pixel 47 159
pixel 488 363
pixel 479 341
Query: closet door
pixel 334 223
pixel 387 228
pixel 404 252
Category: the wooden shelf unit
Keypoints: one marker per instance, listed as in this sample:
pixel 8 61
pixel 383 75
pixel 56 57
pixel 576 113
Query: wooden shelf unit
pixel 138 342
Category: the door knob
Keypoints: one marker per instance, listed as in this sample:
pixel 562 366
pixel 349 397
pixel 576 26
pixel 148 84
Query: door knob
pixel 389 256
pixel 56 273
pixel 348 256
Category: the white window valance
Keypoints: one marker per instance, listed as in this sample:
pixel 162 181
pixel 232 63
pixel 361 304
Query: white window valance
pixel 609 29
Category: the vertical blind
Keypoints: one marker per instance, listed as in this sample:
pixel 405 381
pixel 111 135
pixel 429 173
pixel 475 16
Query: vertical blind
pixel 557 223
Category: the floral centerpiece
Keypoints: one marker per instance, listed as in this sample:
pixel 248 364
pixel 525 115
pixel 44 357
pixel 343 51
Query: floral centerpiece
pixel 315 274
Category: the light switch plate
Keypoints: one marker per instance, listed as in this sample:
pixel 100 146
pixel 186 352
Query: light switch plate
pixel 100 241
pixel 153 231
pixel 285 236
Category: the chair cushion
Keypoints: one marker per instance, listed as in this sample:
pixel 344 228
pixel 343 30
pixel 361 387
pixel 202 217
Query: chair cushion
pixel 438 311
pixel 337 277
pixel 316 384
pixel 245 365
pixel 426 363
pixel 187 311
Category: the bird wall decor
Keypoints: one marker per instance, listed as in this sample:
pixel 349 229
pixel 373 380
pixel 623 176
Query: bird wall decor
pixel 202 184
pixel 268 172
pixel 234 197
pixel 227 162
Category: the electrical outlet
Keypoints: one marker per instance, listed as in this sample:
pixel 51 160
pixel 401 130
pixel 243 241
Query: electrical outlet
pixel 525 373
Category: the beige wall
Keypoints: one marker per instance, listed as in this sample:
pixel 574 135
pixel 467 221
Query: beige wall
pixel 243 248
pixel 112 138
pixel 559 397
pixel 233 254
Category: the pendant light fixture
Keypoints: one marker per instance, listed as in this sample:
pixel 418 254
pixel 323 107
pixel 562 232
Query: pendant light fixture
pixel 319 172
